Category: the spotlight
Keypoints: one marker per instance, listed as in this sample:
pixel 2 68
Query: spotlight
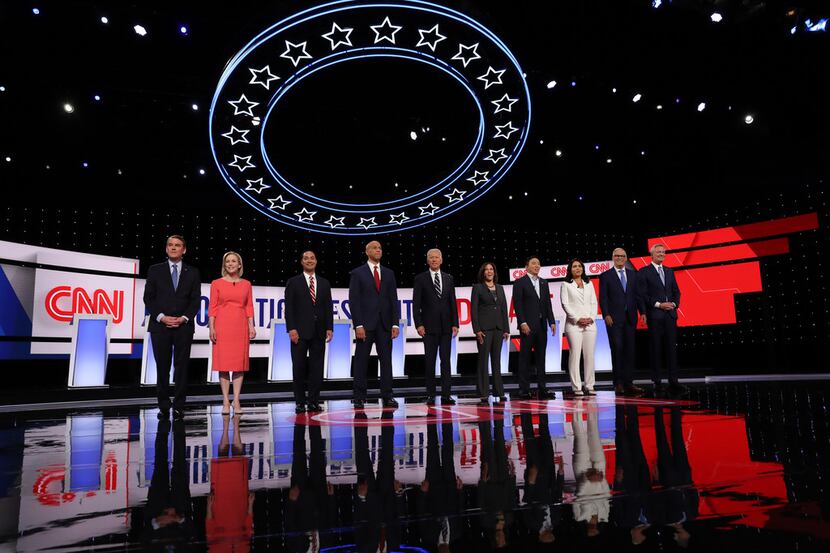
pixel 716 17
pixel 85 164
pixel 551 84
pixel 413 135
pixel 573 83
pixel 659 106
pixel 614 90
pixel 541 142
pixel 183 30
pixel 608 160
pixel 36 11
pixel 255 121
pixel 105 20
pixel 68 108
pixel 97 98
pixel 2 89
pixel 656 3
pixel 8 159
pixel 749 119
pixel 701 106
pixel 201 171
pixel 636 98
pixel 194 107
pixel 139 30
pixel 635 201
pixel 558 153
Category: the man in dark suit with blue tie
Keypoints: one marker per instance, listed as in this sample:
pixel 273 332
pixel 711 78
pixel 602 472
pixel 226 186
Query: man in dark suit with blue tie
pixel 310 324
pixel 172 296
pixel 618 303
pixel 534 315
pixel 436 320
pixel 373 301
pixel 659 298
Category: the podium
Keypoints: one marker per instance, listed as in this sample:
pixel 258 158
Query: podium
pixel 90 350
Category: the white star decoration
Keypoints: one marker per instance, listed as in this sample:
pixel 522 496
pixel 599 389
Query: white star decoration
pixel 494 158
pixel 257 76
pixel 491 77
pixel 295 59
pixel 428 209
pixel 335 222
pixel 510 130
pixel 504 100
pixel 237 159
pixel 236 135
pixel 479 177
pixel 385 26
pixel 247 106
pixel 366 223
pixel 430 43
pixel 257 185
pixel 278 203
pixel 337 29
pixel 456 195
pixel 465 59
pixel 398 219
pixel 305 215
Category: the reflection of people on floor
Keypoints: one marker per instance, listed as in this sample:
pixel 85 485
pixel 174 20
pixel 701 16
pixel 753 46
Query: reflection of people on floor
pixel 441 497
pixel 229 524
pixel 379 501
pixel 677 504
pixel 592 503
pixel 496 485
pixel 169 512
pixel 632 480
pixel 311 504
pixel 543 479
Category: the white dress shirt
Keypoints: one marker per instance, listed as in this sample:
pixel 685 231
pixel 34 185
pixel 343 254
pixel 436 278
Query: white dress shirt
pixel 170 264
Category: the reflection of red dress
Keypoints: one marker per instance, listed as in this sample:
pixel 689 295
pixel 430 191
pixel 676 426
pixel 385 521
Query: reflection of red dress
pixel 232 305
pixel 231 526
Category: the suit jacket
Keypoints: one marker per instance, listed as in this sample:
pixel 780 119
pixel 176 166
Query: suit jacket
pixel 621 305
pixel 650 290
pixel 159 296
pixel 573 306
pixel 370 308
pixel 530 308
pixel 301 314
pixel 487 313
pixel 437 315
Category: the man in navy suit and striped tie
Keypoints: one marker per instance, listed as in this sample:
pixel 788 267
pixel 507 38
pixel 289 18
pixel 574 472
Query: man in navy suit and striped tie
pixel 659 298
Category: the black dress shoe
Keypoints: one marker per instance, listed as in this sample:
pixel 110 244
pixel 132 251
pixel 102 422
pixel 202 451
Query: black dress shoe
pixel 164 414
pixel 390 403
pixel 619 389
pixel 178 415
pixel 503 398
pixel 484 401
pixel 314 407
pixel 300 408
pixel 546 394
pixel 447 401
pixel 659 388
pixel 633 391
pixel 430 400
pixel 678 389
pixel 523 395
pixel 357 403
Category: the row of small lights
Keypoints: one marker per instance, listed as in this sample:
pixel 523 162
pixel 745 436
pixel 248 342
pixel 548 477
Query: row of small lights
pixel 140 30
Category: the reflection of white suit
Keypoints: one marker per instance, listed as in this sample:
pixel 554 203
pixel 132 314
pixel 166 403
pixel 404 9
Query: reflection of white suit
pixel 579 303
pixel 592 498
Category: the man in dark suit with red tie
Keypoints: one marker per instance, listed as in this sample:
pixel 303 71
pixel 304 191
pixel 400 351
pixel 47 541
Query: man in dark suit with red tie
pixel 373 302
pixel 436 320
pixel 534 315
pixel 618 303
pixel 172 296
pixel 310 324
pixel 659 299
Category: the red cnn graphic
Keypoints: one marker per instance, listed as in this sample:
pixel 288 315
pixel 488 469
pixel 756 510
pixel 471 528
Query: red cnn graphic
pixel 708 293
pixel 99 304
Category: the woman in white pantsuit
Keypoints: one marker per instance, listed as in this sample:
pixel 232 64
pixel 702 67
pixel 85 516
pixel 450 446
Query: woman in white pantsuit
pixel 579 300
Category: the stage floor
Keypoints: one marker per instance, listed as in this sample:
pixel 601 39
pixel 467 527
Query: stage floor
pixel 741 465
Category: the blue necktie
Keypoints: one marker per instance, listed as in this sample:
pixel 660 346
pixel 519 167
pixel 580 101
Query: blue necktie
pixel 662 276
pixel 623 280
pixel 175 276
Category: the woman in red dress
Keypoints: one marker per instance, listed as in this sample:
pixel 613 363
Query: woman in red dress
pixel 231 321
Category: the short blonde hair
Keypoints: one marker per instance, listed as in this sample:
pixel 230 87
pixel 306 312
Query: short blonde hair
pixel 225 258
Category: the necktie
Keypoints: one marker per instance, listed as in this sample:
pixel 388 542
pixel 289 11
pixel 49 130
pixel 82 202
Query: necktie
pixel 623 280
pixel 662 275
pixel 175 276
pixel 536 287
pixel 377 279
pixel 311 290
pixel 436 283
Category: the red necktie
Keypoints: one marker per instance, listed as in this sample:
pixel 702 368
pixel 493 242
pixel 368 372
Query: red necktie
pixel 377 279
pixel 311 290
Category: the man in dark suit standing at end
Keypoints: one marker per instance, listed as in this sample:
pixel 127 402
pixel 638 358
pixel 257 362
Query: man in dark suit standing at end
pixel 531 302
pixel 436 320
pixel 310 324
pixel 373 301
pixel 659 298
pixel 618 303
pixel 172 295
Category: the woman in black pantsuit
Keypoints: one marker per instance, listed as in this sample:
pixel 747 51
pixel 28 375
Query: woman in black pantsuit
pixel 490 324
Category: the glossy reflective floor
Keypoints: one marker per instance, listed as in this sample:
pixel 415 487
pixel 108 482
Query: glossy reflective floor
pixel 741 466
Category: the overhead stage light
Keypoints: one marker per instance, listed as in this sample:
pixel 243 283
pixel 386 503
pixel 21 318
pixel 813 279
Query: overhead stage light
pixel 139 30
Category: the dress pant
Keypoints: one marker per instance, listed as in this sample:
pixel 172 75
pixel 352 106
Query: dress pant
pixel 307 364
pixel 582 343
pixel 538 341
pixel 438 344
pixel 383 342
pixel 172 344
pixel 621 337
pixel 662 339
pixel 490 350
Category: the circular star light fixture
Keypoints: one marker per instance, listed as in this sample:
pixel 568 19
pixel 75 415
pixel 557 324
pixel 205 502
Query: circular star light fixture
pixel 257 78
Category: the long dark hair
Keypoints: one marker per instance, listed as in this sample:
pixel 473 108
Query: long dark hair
pixel 570 277
pixel 481 272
